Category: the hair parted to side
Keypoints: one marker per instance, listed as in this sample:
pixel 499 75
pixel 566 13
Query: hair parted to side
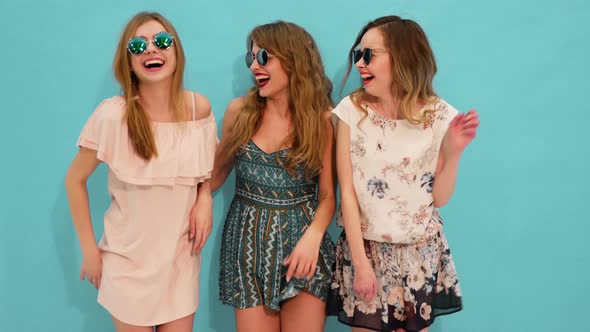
pixel 412 61
pixel 309 97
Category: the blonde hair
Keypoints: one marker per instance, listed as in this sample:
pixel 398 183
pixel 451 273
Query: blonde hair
pixel 309 98
pixel 139 128
pixel 413 66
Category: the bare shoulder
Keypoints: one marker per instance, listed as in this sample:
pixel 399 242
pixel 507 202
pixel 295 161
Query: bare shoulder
pixel 233 108
pixel 202 106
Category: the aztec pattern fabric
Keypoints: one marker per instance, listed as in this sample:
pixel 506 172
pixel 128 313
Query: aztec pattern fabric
pixel 269 214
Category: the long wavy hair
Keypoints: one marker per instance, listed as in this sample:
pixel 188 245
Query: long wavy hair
pixel 139 128
pixel 309 98
pixel 413 66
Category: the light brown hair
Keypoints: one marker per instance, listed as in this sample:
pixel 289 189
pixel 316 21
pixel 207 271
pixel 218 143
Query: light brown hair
pixel 139 128
pixel 309 97
pixel 412 61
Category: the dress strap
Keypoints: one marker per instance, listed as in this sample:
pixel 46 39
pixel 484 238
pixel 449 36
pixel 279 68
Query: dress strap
pixel 193 103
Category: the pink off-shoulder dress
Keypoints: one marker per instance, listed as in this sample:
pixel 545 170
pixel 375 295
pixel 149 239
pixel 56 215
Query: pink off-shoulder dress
pixel 149 276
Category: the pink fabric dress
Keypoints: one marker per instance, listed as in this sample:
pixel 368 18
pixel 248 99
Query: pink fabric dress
pixel 149 276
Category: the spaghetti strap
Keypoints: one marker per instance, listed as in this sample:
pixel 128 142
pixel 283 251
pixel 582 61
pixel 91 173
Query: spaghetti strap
pixel 193 103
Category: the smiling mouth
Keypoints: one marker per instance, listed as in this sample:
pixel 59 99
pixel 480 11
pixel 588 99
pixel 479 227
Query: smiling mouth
pixel 153 64
pixel 262 80
pixel 367 78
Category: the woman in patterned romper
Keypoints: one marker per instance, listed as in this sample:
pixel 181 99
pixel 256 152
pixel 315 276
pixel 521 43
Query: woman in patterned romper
pixel 276 258
pixel 394 270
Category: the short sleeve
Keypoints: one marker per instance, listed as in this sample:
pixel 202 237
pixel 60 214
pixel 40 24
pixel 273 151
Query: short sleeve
pixel 444 115
pixel 347 112
pixel 104 122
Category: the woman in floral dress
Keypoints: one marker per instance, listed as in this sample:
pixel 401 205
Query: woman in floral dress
pixel 395 136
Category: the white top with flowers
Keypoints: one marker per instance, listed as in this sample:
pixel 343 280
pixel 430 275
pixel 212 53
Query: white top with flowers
pixel 393 166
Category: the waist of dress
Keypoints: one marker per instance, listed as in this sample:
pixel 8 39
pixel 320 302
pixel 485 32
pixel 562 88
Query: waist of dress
pixel 275 197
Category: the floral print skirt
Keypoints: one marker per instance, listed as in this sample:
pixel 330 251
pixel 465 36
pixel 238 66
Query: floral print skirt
pixel 415 283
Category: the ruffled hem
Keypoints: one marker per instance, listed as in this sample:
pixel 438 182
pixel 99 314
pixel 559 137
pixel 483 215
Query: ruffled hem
pixel 292 289
pixel 342 318
pixel 319 290
pixel 416 284
pixel 186 154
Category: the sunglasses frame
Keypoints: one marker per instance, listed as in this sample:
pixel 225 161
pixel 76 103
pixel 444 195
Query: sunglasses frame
pixel 261 57
pixel 148 41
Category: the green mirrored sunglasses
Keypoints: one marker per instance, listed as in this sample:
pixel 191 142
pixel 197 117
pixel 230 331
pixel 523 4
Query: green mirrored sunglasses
pixel 137 45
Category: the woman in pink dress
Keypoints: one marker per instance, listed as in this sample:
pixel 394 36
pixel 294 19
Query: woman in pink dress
pixel 158 141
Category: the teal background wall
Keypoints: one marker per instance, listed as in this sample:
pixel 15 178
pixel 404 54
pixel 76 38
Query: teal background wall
pixel 518 222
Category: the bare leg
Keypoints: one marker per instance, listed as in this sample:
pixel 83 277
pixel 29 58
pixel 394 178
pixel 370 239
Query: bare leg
pixel 304 312
pixel 184 324
pixel 257 319
pixel 123 327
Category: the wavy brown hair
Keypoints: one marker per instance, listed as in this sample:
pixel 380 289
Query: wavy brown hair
pixel 309 98
pixel 139 128
pixel 412 61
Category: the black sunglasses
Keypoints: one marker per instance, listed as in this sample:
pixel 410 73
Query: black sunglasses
pixel 365 54
pixel 261 57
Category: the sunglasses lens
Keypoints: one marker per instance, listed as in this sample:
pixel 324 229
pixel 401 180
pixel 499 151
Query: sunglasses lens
pixel 262 57
pixel 137 45
pixel 249 59
pixel 367 55
pixel 356 55
pixel 163 40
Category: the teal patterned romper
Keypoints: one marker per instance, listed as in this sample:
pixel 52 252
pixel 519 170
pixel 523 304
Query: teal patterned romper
pixel 269 213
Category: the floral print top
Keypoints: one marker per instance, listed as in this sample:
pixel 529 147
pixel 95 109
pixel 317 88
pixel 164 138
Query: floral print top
pixel 393 168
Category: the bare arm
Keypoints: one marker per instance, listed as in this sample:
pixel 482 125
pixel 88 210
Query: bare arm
pixel 220 172
pixel 203 111
pixel 348 200
pixel 303 259
pixel 201 217
pixel 461 132
pixel 365 282
pixel 81 168
pixel 445 179
pixel 326 188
